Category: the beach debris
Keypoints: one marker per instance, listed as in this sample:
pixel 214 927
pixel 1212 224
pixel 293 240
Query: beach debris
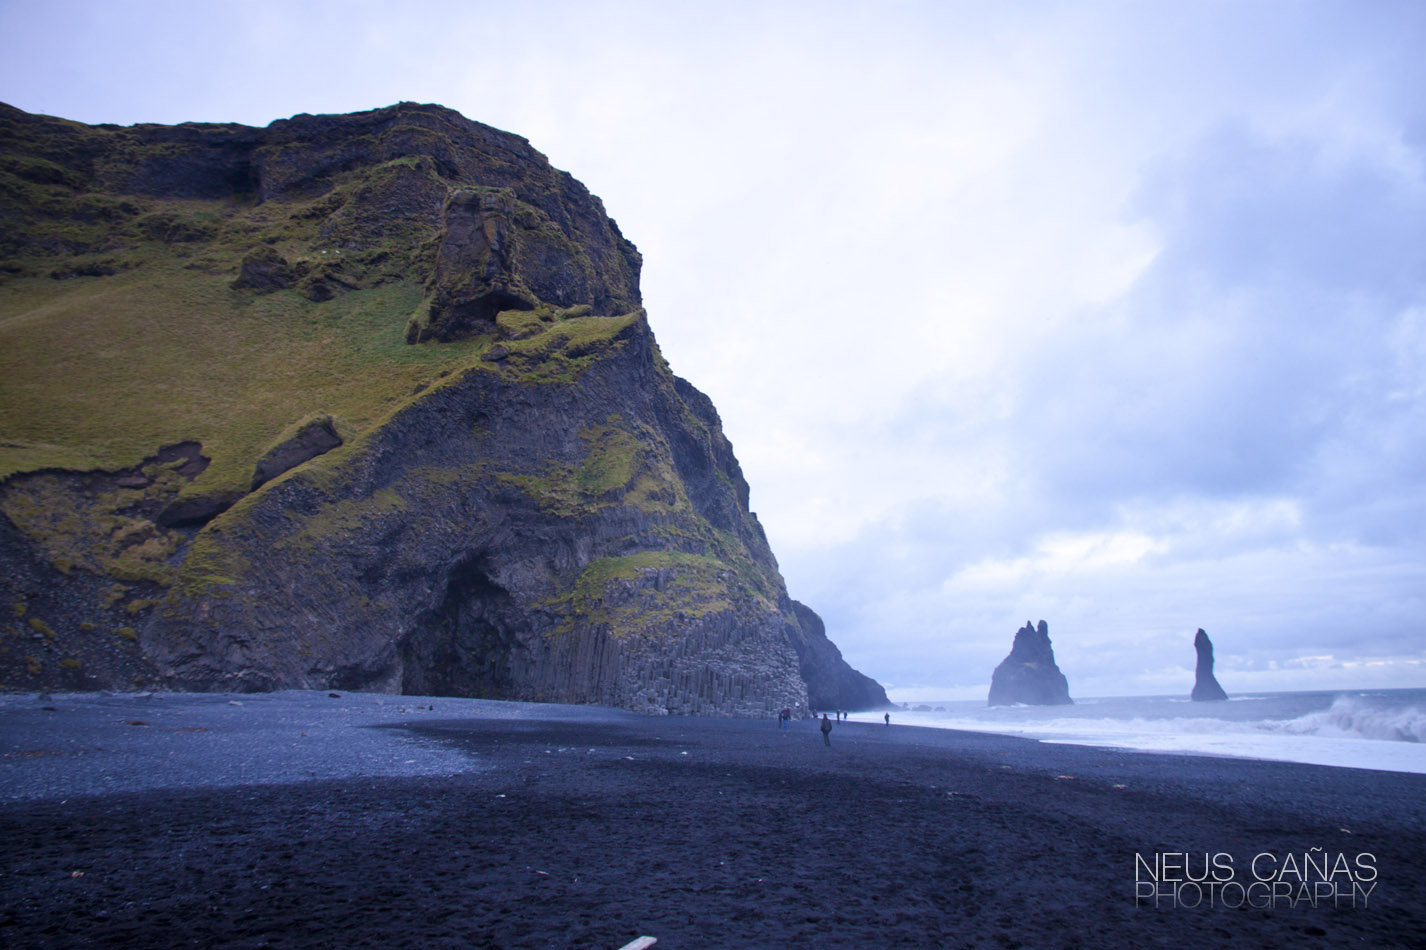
pixel 136 722
pixel 642 943
pixel 234 702
pixel 1121 786
pixel 1344 831
pixel 74 874
pixel 334 695
pixel 1069 777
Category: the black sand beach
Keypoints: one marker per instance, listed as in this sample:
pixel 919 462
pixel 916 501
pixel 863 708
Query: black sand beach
pixel 496 825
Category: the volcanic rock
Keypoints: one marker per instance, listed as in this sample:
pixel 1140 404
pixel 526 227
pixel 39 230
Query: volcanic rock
pixel 311 440
pixel 831 683
pixel 264 270
pixel 1029 674
pixel 525 502
pixel 1205 686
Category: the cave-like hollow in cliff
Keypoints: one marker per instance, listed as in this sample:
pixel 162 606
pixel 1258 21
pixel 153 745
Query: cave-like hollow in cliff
pixel 462 645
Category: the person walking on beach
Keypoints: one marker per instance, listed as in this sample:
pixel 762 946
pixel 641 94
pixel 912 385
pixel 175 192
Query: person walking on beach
pixel 826 729
pixel 888 719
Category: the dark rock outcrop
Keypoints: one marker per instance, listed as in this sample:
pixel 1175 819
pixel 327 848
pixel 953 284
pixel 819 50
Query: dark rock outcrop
pixel 264 270
pixel 497 253
pixel 1029 674
pixel 194 511
pixel 540 510
pixel 311 440
pixel 1205 686
pixel 831 683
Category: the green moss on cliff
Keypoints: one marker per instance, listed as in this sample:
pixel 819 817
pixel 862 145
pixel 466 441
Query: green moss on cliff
pixel 210 566
pixel 564 350
pixel 343 519
pixel 653 593
pixel 620 464
pixel 89 531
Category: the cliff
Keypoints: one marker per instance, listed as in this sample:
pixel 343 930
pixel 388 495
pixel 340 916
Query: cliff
pixel 362 402
pixel 831 683
pixel 1205 685
pixel 1029 674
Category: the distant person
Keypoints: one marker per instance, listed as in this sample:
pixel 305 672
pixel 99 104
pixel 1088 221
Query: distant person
pixel 826 730
pixel 888 719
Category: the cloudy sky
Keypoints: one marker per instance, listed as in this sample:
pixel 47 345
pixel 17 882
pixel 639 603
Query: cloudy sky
pixel 1110 314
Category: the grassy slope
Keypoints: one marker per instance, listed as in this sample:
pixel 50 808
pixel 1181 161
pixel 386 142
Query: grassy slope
pixel 97 372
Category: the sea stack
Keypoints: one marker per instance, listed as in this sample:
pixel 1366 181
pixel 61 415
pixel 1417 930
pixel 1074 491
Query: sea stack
pixel 1205 687
pixel 1029 674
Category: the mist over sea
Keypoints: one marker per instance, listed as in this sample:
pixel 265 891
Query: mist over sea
pixel 1366 729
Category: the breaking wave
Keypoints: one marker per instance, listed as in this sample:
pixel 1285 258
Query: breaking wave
pixel 1357 717
pixel 1381 729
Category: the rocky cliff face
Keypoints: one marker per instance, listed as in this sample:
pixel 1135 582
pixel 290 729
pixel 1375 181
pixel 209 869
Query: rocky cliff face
pixel 1205 686
pixel 371 404
pixel 1029 674
pixel 831 683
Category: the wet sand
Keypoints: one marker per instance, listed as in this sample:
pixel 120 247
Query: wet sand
pixel 500 825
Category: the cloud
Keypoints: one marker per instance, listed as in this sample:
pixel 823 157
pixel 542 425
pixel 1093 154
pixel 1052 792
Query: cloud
pixel 1235 439
pixel 1107 313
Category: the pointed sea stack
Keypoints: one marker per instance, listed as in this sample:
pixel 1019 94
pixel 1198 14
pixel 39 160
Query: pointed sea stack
pixel 1029 674
pixel 1205 687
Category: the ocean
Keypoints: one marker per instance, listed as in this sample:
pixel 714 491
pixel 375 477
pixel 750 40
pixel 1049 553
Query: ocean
pixel 1366 729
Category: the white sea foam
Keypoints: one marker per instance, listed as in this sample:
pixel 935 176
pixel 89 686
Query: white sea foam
pixel 1377 730
pixel 1355 717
